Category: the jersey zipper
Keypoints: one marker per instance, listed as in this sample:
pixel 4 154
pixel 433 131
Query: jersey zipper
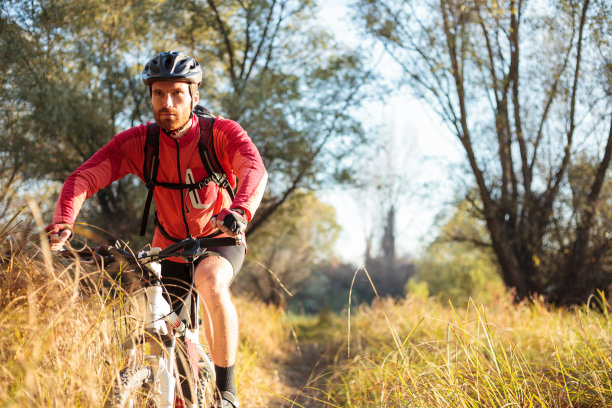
pixel 183 204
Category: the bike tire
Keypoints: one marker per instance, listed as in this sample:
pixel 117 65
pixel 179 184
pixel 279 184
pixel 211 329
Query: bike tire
pixel 205 388
pixel 131 389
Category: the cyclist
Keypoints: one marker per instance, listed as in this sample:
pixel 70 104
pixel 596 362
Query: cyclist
pixel 173 80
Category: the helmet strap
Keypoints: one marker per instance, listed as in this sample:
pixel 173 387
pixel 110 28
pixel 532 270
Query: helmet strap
pixel 174 132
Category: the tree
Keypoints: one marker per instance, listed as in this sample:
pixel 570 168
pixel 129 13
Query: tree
pixel 269 66
pixel 383 188
pixel 10 165
pixel 73 70
pixel 67 72
pixel 525 88
pixel 284 253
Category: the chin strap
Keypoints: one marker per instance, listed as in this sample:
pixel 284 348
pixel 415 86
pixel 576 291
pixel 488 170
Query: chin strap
pixel 174 132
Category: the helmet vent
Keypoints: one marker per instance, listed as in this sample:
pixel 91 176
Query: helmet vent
pixel 172 65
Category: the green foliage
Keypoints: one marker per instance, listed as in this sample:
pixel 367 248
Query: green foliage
pixel 68 74
pixel 70 81
pixel 328 288
pixel 283 253
pixel 453 272
pixel 458 265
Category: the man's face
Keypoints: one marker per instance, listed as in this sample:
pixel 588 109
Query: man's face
pixel 171 103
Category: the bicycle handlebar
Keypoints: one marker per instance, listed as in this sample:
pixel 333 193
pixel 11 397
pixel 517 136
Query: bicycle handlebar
pixel 188 248
pixel 191 246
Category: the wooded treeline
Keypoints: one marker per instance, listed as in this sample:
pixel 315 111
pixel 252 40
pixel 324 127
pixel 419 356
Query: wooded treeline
pixel 71 81
pixel 525 87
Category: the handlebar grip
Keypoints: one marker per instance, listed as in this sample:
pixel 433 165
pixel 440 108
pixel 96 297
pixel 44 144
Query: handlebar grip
pixel 219 242
pixel 177 247
pixel 99 253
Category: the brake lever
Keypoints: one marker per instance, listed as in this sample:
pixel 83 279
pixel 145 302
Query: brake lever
pixel 193 251
pixel 239 239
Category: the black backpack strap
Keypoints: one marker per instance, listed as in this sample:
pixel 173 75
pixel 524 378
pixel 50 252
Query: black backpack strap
pixel 163 231
pixel 149 170
pixel 206 146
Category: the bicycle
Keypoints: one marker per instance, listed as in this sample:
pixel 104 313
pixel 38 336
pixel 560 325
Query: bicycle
pixel 152 376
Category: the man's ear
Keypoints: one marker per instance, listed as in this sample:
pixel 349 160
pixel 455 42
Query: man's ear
pixel 196 97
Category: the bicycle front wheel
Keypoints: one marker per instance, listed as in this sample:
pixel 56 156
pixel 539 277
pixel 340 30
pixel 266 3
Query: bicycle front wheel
pixel 132 388
pixel 205 386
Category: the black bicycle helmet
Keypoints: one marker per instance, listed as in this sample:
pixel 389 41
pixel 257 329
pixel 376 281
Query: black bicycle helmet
pixel 172 65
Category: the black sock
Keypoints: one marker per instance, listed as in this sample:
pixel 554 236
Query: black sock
pixel 225 379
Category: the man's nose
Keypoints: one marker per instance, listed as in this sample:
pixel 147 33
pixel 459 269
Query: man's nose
pixel 168 100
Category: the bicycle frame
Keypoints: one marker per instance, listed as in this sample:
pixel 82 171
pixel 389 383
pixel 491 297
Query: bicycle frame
pixel 161 328
pixel 158 312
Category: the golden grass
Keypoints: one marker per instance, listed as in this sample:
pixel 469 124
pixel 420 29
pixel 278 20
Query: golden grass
pixel 59 350
pixel 56 345
pixel 419 353
pixel 265 344
pixel 59 347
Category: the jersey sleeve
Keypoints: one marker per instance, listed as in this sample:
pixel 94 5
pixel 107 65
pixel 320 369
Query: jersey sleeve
pixel 123 155
pixel 238 154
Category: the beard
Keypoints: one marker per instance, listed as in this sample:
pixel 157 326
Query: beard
pixel 171 122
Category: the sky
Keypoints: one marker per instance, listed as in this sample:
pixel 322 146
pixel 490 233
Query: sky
pixel 429 154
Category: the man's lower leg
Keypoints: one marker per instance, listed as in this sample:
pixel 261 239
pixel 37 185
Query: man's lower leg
pixel 225 379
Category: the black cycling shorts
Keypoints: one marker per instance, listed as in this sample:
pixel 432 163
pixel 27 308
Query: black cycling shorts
pixel 177 277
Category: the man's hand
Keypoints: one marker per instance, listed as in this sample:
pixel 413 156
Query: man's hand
pixel 229 221
pixel 58 235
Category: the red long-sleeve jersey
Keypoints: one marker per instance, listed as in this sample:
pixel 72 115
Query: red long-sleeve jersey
pixel 179 162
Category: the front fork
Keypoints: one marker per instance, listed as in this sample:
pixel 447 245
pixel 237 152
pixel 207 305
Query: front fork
pixel 161 325
pixel 161 360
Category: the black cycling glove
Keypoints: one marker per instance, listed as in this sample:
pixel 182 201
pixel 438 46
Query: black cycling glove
pixel 232 220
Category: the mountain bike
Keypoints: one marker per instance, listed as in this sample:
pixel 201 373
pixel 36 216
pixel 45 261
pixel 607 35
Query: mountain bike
pixel 164 364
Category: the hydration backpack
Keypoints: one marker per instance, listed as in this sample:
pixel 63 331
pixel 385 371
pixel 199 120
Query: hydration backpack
pixel 209 158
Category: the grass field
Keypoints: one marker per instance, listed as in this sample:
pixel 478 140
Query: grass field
pixel 422 354
pixel 58 350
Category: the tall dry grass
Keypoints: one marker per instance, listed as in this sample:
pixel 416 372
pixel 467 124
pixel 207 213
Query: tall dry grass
pixel 57 346
pixel 420 353
pixel 265 375
pixel 60 347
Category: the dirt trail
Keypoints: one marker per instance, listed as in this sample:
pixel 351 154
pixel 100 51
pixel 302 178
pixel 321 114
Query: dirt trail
pixel 284 360
pixel 302 374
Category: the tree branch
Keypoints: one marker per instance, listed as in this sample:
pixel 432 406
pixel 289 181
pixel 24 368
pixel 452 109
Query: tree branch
pixel 263 39
pixel 515 17
pixel 271 42
pixel 600 175
pixel 247 41
pixel 552 192
pixel 500 110
pixel 227 41
pixel 550 98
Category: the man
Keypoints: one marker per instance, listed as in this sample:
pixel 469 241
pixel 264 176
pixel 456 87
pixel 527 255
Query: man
pixel 173 79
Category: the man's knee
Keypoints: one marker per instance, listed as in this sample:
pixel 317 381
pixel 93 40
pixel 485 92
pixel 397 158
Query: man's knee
pixel 213 276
